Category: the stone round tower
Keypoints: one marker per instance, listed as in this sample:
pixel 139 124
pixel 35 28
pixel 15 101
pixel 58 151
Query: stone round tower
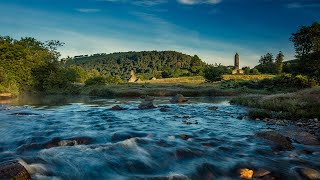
pixel 237 61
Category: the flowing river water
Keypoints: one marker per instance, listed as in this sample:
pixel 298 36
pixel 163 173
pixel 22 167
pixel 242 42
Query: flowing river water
pixel 83 139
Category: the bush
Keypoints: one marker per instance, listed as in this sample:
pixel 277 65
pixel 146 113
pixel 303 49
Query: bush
pixel 214 73
pixel 96 81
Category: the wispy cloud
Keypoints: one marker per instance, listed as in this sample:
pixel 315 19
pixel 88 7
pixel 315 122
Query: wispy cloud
pixel 192 2
pixel 149 2
pixel 84 10
pixel 138 2
pixel 300 5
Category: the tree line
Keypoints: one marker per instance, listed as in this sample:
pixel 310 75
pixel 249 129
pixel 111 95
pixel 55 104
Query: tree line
pixel 28 64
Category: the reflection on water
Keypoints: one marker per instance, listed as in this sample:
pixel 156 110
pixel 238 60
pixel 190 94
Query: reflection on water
pixel 81 138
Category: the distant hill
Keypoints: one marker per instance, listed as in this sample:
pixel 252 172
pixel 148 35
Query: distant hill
pixel 146 63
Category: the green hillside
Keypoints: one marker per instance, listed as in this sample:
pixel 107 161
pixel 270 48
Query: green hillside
pixel 146 64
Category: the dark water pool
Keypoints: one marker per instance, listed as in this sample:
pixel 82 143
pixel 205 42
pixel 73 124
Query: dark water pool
pixel 86 140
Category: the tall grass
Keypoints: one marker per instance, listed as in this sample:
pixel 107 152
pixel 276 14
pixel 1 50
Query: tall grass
pixel 301 104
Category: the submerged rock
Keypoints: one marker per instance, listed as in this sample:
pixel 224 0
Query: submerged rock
pixel 117 108
pixel 146 105
pixel 185 153
pixel 308 173
pixel 302 137
pixel 185 136
pixel 212 108
pixel 55 142
pixel 179 98
pixel 24 114
pixel 261 173
pixel 13 170
pixel 164 109
pixel 206 171
pixel 283 142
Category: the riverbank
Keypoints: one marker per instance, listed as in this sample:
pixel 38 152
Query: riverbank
pixel 300 108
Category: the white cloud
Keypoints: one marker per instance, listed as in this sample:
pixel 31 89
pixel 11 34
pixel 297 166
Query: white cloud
pixel 192 2
pixel 299 5
pixel 84 10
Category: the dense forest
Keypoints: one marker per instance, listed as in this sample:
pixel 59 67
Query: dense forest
pixel 146 64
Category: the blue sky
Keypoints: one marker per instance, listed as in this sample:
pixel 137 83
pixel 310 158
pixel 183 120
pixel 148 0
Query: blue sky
pixel 213 29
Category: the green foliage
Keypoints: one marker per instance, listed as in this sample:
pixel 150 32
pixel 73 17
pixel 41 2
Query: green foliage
pixel 214 73
pixel 77 74
pixel 149 63
pixel 307 40
pixel 291 67
pixel 246 70
pixel 301 104
pixel 96 81
pixel 279 63
pixel 18 59
pixel 307 45
pixel 280 83
pixel 197 66
pixel 254 71
pixel 267 65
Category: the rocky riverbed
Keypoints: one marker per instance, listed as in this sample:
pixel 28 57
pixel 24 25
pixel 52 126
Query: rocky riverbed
pixel 153 138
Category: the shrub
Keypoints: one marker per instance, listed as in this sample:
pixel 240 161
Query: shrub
pixel 96 81
pixel 214 73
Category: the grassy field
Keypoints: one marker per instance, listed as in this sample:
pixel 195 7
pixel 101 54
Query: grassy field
pixel 247 77
pixel 180 80
pixel 200 79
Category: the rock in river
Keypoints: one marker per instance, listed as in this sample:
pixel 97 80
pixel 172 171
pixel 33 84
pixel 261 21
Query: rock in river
pixel 13 170
pixel 179 98
pixel 308 173
pixel 163 109
pixel 283 142
pixel 212 108
pixel 117 108
pixel 146 105
pixel 302 137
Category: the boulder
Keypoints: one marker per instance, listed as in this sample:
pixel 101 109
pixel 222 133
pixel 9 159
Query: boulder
pixel 302 137
pixel 146 105
pixel 117 108
pixel 308 173
pixel 179 98
pixel 55 142
pixel 13 170
pixel 164 109
pixel 212 108
pixel 283 142
pixel 261 173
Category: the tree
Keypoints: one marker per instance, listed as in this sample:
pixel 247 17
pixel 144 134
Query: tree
pixel 306 40
pixel 267 64
pixel 196 65
pixel 307 45
pixel 279 63
pixel 214 73
pixel 254 71
pixel 246 70
pixel 266 59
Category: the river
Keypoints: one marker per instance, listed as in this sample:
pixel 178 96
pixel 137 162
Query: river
pixel 81 138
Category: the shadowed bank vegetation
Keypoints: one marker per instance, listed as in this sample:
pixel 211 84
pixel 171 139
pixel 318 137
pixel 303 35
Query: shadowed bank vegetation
pixel 297 105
